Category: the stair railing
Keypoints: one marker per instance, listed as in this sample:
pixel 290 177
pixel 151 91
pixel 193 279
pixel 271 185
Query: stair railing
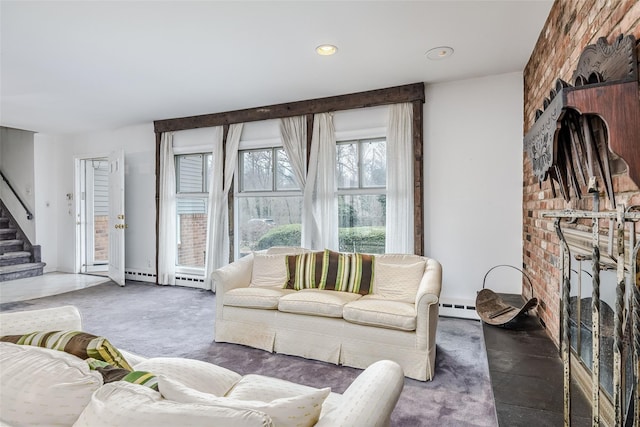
pixel 29 214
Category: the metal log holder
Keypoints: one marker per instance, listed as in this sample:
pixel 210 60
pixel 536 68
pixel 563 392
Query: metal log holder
pixel 623 314
pixel 493 310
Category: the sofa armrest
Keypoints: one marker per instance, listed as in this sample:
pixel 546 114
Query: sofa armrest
pixel 370 399
pixel 426 302
pixel 234 275
pixel 48 319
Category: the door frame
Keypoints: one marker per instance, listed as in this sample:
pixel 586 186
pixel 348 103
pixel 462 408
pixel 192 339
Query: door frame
pixel 80 239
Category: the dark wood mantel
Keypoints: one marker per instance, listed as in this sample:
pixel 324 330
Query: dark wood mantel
pixel 605 84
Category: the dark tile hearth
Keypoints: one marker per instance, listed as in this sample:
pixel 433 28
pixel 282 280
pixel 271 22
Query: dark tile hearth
pixel 526 375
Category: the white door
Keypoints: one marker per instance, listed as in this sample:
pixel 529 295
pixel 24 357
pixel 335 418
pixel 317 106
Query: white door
pixel 117 223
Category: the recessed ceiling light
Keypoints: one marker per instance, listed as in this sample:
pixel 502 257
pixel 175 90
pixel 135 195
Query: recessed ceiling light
pixel 326 49
pixel 439 52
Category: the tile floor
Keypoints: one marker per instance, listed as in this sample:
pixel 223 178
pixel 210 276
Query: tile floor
pixel 527 375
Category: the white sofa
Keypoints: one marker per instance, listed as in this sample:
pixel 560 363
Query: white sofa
pixel 43 387
pixel 396 321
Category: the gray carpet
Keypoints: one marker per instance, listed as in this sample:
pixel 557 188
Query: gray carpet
pixel 174 321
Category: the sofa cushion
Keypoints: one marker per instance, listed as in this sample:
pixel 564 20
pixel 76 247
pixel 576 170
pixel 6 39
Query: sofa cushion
pixel 397 281
pixel 43 387
pixel 268 270
pixel 316 302
pixel 287 250
pixel 371 311
pixel 122 404
pixel 296 411
pixel 256 297
pixel 80 344
pixel 196 374
pixel 361 274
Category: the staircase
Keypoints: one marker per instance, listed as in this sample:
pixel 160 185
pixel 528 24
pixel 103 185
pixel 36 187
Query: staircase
pixel 18 258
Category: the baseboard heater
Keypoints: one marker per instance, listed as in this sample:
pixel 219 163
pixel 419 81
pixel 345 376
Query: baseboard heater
pixel 464 309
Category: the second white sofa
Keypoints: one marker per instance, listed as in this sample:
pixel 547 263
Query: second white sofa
pixel 395 318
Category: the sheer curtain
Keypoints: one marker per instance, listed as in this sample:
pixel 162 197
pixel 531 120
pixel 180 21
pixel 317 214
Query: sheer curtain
pixel 399 227
pixel 215 187
pixel 294 140
pixel 320 209
pixel 219 186
pixel 167 214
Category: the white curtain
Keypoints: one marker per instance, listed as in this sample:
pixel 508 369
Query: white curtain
pixel 399 227
pixel 293 131
pixel 167 214
pixel 219 186
pixel 320 209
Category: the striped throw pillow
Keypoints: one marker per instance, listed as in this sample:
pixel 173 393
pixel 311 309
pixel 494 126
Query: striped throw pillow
pixel 313 269
pixel 335 271
pixel 361 274
pixel 80 344
pixel 295 271
pixel 144 378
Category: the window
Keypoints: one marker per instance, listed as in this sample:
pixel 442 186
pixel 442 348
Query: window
pixel 268 201
pixel 192 172
pixel 361 180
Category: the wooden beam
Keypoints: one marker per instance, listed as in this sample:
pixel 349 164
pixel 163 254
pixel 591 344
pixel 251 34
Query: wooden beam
pixel 393 95
pixel 158 140
pixel 418 181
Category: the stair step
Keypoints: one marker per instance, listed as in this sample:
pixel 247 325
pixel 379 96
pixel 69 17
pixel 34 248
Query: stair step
pixel 20 271
pixel 10 258
pixel 7 233
pixel 4 222
pixel 12 245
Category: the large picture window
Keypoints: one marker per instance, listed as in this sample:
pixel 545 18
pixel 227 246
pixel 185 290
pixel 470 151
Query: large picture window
pixel 268 201
pixel 361 167
pixel 192 172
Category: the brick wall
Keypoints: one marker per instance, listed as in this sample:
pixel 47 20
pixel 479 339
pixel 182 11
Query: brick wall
pixel 101 237
pixel 193 238
pixel 571 25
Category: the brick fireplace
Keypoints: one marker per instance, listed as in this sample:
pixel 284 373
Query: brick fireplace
pixel 570 27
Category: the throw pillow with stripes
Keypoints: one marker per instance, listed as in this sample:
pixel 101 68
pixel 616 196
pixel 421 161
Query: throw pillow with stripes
pixel 295 271
pixel 313 269
pixel 335 271
pixel 361 274
pixel 80 344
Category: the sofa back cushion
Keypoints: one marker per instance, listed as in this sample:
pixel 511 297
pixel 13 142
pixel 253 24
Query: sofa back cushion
pixel 295 411
pixel 122 404
pixel 398 281
pixel 268 270
pixel 196 374
pixel 43 387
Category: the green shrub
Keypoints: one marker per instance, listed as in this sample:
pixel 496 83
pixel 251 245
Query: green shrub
pixel 362 239
pixel 282 235
pixel 356 239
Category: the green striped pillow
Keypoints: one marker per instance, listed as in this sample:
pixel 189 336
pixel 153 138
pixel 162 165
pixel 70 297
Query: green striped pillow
pixel 295 271
pixel 80 344
pixel 144 378
pixel 361 274
pixel 335 271
pixel 313 269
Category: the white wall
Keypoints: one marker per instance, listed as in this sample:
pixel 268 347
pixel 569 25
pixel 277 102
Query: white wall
pixel 16 162
pixel 473 182
pixel 138 143
pixel 46 199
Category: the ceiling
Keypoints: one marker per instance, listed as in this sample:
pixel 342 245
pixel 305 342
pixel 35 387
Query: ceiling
pixel 81 66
